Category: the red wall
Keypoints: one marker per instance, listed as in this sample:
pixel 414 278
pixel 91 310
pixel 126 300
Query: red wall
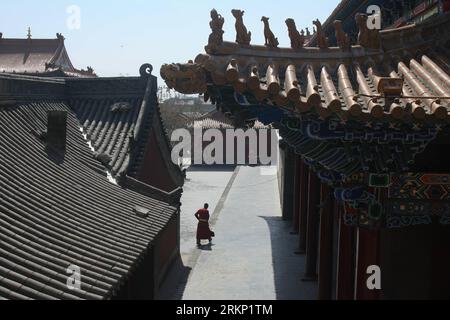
pixel 154 170
pixel 166 250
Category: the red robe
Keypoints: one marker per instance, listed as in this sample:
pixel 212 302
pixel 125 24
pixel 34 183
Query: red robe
pixel 203 231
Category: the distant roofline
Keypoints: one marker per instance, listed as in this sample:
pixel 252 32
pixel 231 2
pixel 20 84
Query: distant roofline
pixel 19 76
pixel 25 39
pixel 104 78
pixel 72 88
pixel 56 57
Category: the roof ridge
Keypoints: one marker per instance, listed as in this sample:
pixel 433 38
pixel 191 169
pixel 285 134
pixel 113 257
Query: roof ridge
pixel 59 49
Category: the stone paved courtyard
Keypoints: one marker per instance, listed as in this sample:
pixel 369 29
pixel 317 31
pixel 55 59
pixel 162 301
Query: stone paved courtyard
pixel 252 256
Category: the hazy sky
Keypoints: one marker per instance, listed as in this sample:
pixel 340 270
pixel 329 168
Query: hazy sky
pixel 116 37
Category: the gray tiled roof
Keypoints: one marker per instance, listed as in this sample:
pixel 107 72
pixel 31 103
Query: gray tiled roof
pixel 110 130
pixel 57 211
pixel 118 118
pixel 43 57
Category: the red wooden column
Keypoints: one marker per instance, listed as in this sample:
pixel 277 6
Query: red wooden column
pixel 368 245
pixel 312 234
pixel 346 259
pixel 297 173
pixel 326 244
pixel 288 184
pixel 303 207
pixel 368 254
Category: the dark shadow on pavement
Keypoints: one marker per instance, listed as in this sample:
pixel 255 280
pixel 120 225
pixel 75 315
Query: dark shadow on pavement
pixel 206 247
pixel 288 267
pixel 175 282
pixel 216 168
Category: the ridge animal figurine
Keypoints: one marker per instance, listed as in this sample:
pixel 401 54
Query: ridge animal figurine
pixel 322 41
pixel 270 39
pixel 343 41
pixel 242 35
pixel 367 38
pixel 216 24
pixel 297 40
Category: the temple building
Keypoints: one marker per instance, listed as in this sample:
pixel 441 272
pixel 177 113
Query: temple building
pixel 392 14
pixel 364 120
pixel 87 188
pixel 38 57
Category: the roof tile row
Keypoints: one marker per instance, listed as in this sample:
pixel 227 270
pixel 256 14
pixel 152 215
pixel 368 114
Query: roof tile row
pixel 58 209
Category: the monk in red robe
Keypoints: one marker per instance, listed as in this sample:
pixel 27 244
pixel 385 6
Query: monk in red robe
pixel 203 231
